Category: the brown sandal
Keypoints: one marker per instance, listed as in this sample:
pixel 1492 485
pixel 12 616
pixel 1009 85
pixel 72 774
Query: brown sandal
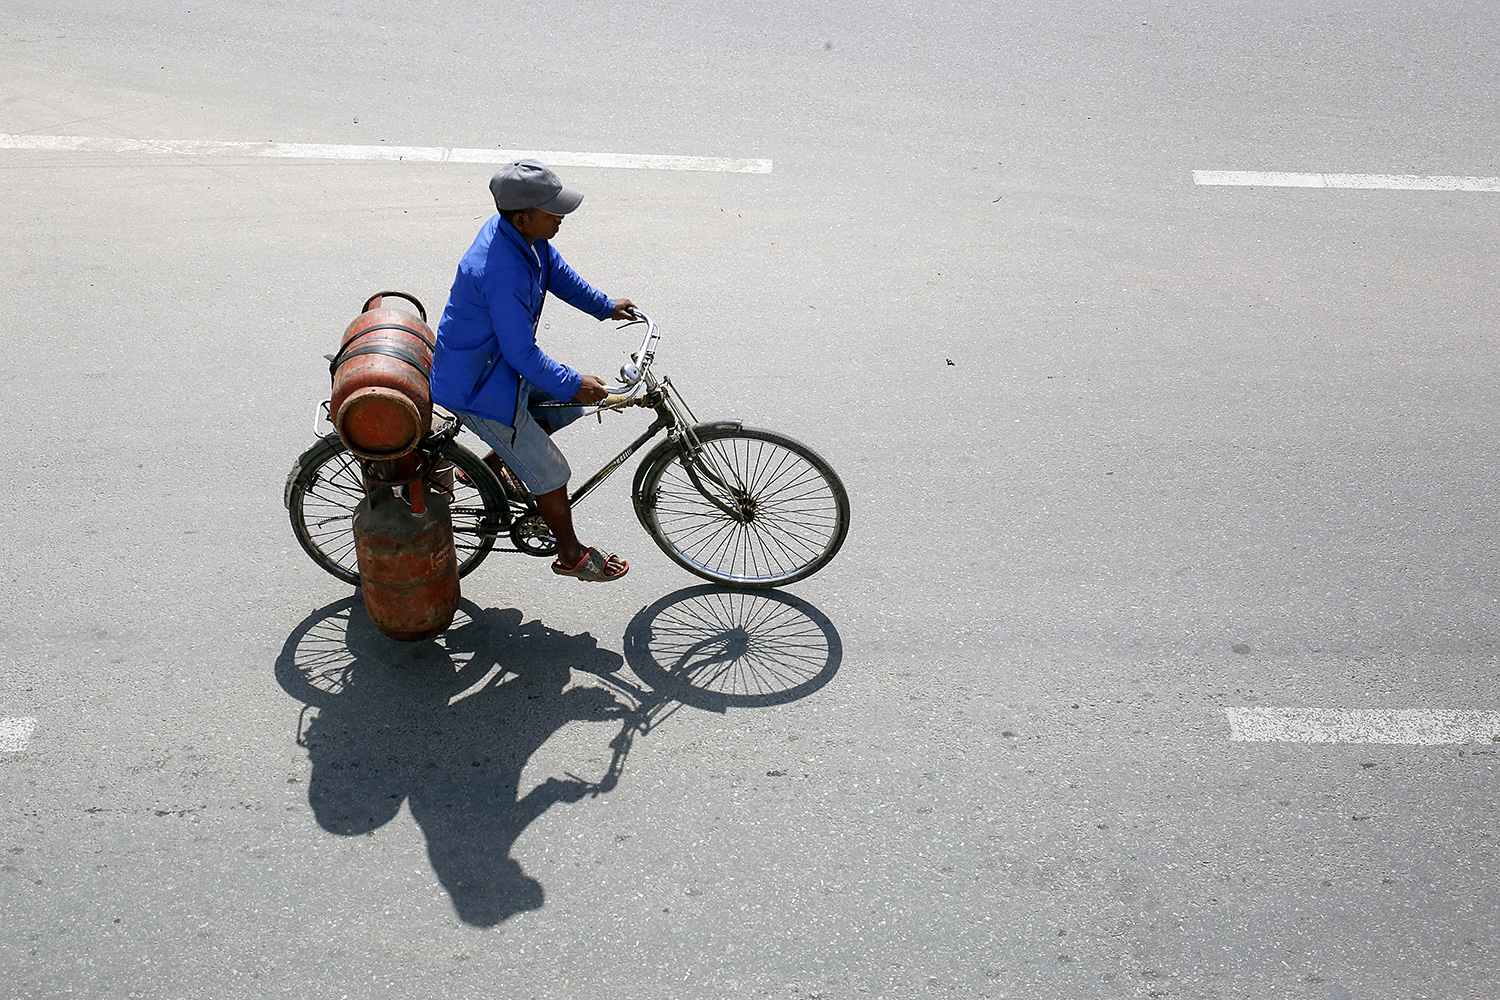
pixel 592 568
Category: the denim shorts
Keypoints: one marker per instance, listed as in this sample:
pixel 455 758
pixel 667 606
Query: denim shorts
pixel 526 448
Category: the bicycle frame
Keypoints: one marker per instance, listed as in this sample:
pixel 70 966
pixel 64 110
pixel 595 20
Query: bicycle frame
pixel 666 419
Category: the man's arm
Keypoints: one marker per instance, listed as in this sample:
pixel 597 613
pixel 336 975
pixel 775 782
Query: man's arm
pixel 566 284
pixel 511 318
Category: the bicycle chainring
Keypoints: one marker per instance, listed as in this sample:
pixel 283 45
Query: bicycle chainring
pixel 531 535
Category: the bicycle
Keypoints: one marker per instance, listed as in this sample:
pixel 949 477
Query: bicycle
pixel 736 505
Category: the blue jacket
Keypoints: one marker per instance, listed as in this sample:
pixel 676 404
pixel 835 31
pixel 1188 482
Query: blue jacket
pixel 486 340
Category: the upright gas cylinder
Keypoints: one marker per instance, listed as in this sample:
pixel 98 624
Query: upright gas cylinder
pixel 382 402
pixel 408 572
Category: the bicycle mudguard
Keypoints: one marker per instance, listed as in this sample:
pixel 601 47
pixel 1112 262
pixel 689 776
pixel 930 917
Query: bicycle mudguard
pixel 313 456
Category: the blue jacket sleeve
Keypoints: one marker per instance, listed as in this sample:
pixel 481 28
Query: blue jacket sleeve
pixel 510 316
pixel 568 286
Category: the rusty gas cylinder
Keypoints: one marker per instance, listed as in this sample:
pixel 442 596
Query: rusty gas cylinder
pixel 408 572
pixel 382 400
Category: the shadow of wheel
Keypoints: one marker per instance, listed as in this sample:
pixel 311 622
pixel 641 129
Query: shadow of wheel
pixel 336 653
pixel 715 648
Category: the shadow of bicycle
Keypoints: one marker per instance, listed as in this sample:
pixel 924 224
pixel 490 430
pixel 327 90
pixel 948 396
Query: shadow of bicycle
pixel 447 726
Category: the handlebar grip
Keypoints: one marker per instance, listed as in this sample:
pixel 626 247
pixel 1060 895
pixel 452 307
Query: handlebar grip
pixel 613 399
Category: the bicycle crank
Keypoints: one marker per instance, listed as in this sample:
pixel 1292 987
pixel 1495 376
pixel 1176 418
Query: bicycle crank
pixel 531 535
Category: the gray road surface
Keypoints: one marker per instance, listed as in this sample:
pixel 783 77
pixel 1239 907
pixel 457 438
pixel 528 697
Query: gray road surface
pixel 1124 453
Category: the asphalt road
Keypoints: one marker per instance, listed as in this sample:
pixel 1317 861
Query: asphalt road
pixel 1125 454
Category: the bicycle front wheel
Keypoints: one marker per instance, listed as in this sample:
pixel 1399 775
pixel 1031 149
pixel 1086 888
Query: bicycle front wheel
pixel 753 508
pixel 326 486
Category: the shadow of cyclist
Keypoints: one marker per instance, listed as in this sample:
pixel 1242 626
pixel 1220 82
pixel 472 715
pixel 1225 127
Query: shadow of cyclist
pixel 446 726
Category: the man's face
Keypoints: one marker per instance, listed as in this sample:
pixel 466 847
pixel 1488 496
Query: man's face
pixel 534 224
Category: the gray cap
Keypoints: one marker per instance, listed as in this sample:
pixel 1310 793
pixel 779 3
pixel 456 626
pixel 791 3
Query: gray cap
pixel 529 184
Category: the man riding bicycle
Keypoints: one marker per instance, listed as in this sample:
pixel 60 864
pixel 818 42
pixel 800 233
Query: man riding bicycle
pixel 488 368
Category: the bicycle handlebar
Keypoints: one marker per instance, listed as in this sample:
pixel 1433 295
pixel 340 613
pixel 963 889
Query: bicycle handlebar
pixel 633 375
pixel 613 400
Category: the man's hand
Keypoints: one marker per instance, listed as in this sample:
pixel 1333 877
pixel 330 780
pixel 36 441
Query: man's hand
pixel 624 309
pixel 591 390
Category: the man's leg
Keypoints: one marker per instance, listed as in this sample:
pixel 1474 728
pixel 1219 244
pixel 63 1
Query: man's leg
pixel 498 467
pixel 557 511
pixel 502 472
pixel 535 460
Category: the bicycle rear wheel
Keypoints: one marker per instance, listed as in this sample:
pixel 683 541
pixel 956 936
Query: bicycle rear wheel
pixel 326 486
pixel 753 509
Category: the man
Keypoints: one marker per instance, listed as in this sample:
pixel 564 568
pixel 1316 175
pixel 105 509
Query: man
pixel 488 368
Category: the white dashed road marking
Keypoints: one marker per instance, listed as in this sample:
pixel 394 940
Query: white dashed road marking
pixel 1416 727
pixel 15 734
pixel 416 154
pixel 1383 182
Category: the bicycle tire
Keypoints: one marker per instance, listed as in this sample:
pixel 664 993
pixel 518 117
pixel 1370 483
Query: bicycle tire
pixel 794 506
pixel 326 486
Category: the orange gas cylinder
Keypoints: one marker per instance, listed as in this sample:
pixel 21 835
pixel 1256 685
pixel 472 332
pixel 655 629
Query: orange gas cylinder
pixel 408 573
pixel 382 402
